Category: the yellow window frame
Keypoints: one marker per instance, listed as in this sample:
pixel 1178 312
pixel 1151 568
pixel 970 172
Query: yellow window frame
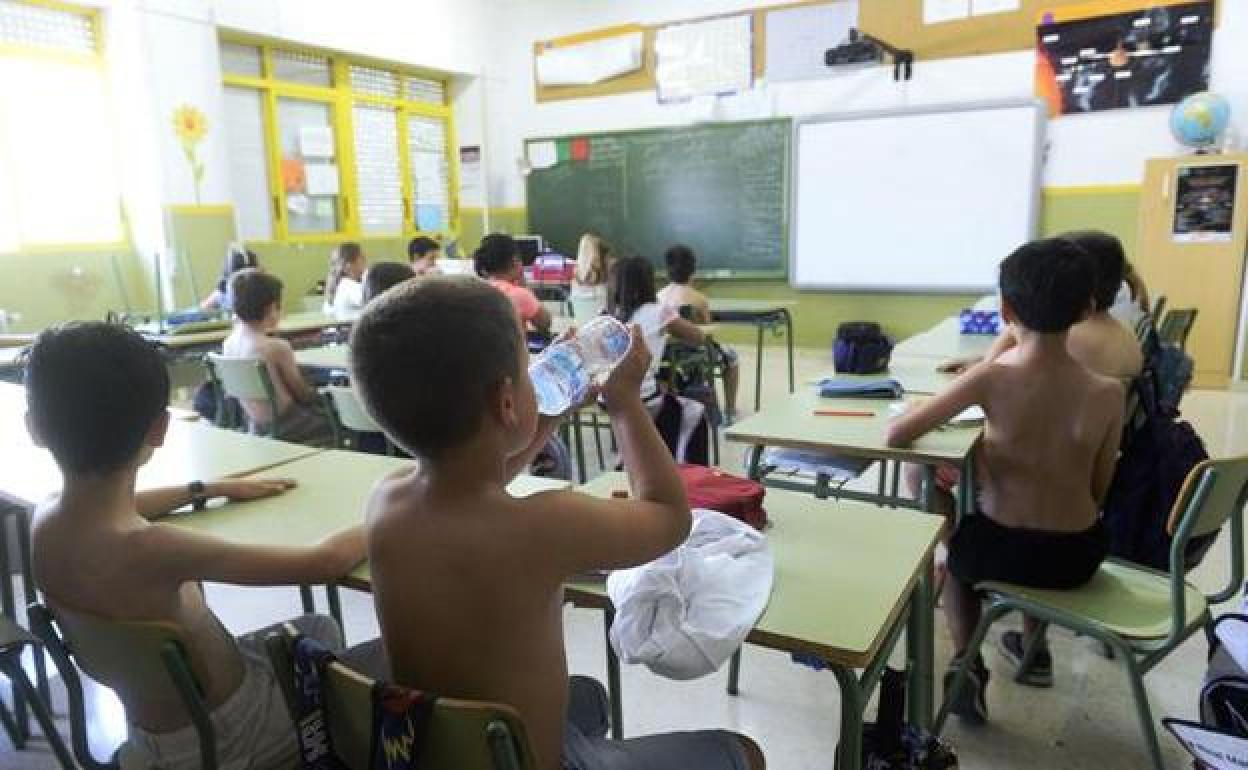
pixel 341 98
pixel 94 60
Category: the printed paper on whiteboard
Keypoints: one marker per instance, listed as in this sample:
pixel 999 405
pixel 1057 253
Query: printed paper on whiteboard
pixel 322 178
pixel 316 141
pixel 543 154
pixel 940 11
pixel 985 7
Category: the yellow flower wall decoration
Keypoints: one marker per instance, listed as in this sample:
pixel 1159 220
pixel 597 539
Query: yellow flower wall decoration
pixel 191 126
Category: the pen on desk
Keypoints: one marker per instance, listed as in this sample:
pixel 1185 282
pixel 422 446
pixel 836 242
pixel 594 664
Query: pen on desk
pixel 841 413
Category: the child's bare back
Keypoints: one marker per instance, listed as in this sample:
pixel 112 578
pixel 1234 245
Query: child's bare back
pixel 1050 439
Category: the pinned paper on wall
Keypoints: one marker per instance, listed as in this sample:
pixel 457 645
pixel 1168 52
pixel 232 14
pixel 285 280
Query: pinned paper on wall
pixel 986 7
pixel 941 11
pixel 543 154
pixel 316 141
pixel 322 178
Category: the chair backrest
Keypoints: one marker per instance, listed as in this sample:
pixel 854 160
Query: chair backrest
pixel 148 656
pixel 1176 326
pixel 1159 304
pixel 465 735
pixel 1212 492
pixel 350 411
pixel 585 308
pixel 246 378
pixel 1143 327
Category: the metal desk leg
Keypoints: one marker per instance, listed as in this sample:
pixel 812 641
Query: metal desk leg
pixel 8 605
pixel 734 673
pixel 613 679
pixel 29 594
pixel 754 459
pixel 579 438
pixel 758 370
pixel 920 647
pixel 927 495
pixel 305 598
pixel 849 749
pixel 335 605
pixel 788 335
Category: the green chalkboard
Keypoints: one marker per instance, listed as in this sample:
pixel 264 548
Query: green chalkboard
pixel 721 188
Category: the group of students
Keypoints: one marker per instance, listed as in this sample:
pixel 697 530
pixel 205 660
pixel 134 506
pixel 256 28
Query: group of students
pixel 1053 391
pixel 467 579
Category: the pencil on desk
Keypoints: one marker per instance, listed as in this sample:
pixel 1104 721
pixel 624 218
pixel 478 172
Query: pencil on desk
pixel 841 413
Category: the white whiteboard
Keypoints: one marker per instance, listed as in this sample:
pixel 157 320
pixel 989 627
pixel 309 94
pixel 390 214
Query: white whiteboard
pixel 928 200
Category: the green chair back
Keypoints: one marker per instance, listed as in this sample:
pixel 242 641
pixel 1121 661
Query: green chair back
pixel 465 735
pixel 1176 326
pixel 151 656
pixel 1213 492
pixel 243 379
pixel 350 411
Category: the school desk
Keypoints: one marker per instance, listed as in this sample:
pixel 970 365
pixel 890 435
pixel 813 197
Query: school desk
pixel 762 315
pixel 791 423
pixel 945 341
pixel 324 357
pixel 293 326
pixel 333 488
pixel 14 340
pixel 849 578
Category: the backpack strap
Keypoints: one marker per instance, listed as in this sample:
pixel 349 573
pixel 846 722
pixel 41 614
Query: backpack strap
pixel 401 717
pixel 316 749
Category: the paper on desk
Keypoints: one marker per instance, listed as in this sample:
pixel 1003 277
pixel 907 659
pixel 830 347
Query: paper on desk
pixel 969 416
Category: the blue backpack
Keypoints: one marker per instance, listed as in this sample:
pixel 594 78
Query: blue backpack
pixel 861 348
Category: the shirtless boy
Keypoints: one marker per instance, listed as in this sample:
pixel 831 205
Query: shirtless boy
pixel 468 579
pixel 1047 456
pixel 97 396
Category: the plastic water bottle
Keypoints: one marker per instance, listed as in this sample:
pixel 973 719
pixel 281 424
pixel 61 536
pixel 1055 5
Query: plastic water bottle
pixel 563 374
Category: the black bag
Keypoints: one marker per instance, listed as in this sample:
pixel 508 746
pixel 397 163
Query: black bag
pixel 861 348
pixel 891 744
pixel 1224 693
pixel 1158 453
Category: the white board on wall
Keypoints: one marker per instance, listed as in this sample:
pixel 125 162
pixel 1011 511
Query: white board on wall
pixel 925 200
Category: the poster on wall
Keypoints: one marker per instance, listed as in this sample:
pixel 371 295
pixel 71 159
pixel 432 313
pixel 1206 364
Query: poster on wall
pixel 1088 60
pixel 1204 204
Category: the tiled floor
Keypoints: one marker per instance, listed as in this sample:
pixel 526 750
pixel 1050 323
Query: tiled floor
pixel 1085 721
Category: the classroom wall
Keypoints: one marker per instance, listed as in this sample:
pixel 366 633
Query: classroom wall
pixel 1092 165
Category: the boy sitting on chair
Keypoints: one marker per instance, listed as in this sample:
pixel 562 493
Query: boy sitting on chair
pixel 97 396
pixel 468 580
pixel 1046 458
pixel 257 299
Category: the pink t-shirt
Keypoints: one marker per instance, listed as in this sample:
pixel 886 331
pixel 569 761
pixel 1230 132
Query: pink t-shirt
pixel 526 302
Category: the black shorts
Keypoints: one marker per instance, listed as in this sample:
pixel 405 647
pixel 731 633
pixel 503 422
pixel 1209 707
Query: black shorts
pixel 982 549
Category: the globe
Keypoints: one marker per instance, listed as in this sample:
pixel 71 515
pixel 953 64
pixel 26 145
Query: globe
pixel 1200 120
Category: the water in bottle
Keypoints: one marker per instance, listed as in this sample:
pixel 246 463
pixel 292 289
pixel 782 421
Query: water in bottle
pixel 563 374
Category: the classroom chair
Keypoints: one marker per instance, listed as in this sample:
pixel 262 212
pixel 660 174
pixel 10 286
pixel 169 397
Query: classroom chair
pixel 350 416
pixel 465 735
pixel 1143 327
pixel 239 378
pixel 13 641
pixel 1141 615
pixel 153 654
pixel 1176 327
pixel 1159 305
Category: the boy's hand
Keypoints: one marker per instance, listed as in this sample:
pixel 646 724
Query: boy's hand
pixel 345 549
pixel 625 380
pixel 240 490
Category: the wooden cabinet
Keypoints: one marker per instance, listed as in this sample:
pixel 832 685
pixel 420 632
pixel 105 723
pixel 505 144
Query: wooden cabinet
pixel 1192 262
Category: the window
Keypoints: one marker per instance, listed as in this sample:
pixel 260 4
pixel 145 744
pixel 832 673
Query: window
pixel 325 148
pixel 59 179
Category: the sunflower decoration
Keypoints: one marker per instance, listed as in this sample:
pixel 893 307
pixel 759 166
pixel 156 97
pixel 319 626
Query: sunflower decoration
pixel 191 126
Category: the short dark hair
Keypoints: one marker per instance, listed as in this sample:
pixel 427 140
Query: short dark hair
pixel 252 292
pixel 382 276
pixel 427 356
pixel 681 263
pixel 495 255
pixel 421 245
pixel 1109 260
pixel 94 390
pixel 1048 283
pixel 630 285
pixel 236 258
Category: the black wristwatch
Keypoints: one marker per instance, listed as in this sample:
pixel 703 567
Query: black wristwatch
pixel 199 500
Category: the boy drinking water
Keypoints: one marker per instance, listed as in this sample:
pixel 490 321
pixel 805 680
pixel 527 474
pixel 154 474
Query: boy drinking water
pixel 1047 455
pixel 468 580
pixel 97 396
